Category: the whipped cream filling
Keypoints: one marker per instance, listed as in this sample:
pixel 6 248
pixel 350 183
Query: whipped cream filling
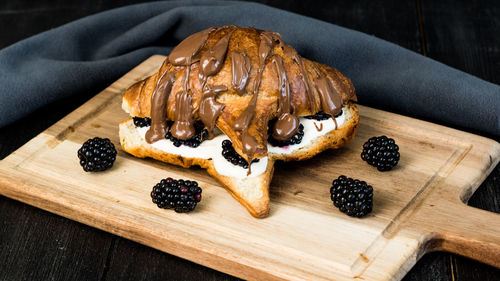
pixel 212 149
pixel 208 149
pixel 310 133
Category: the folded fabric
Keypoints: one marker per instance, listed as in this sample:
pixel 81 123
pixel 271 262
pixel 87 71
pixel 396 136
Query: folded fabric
pixel 96 50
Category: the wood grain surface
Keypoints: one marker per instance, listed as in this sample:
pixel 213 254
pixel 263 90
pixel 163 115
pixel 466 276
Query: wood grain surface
pixel 418 206
pixel 36 245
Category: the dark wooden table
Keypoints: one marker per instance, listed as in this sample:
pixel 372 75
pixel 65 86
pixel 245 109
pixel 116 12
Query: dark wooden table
pixel 37 245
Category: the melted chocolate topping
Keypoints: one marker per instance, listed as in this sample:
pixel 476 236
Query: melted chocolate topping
pixel 320 128
pixel 159 100
pixel 212 60
pixel 182 54
pixel 331 103
pixel 210 109
pixel 183 127
pixel 210 63
pixel 284 101
pixel 287 124
pixel 243 121
pixel 289 51
pixel 241 66
pixel 265 46
pixel 249 146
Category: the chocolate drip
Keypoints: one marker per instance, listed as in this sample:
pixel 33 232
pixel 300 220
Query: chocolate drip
pixel 265 46
pixel 186 79
pixel 241 66
pixel 210 64
pixel 320 128
pixel 284 101
pixel 337 88
pixel 159 100
pixel 287 124
pixel 182 54
pixel 290 52
pixel 331 103
pixel 212 60
pixel 337 85
pixel 183 127
pixel 249 144
pixel 210 109
pixel 285 127
pixel 243 121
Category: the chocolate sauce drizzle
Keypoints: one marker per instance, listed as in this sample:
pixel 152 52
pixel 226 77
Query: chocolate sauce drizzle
pixel 320 128
pixel 330 102
pixel 242 123
pixel 210 109
pixel 240 66
pixel 183 127
pixel 292 53
pixel 183 54
pixel 159 100
pixel 210 62
pixel 287 124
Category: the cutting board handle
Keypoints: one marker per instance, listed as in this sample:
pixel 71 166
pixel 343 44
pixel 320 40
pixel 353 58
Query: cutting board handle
pixel 472 232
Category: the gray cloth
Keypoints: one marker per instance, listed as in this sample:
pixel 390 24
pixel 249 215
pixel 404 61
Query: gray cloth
pixel 94 51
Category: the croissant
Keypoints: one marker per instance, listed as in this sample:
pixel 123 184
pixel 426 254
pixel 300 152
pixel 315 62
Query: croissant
pixel 233 101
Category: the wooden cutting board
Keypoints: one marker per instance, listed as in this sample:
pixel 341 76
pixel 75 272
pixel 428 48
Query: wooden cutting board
pixel 418 206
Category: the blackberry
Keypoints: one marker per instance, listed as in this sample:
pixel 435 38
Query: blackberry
pixel 180 195
pixel 201 134
pixel 352 197
pixel 381 152
pixel 322 116
pixel 230 154
pixel 97 155
pixel 142 122
pixel 295 139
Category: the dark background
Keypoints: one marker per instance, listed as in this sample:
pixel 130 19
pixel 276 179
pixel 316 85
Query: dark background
pixel 37 245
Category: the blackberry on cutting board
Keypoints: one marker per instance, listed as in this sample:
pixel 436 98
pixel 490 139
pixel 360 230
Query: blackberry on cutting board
pixel 201 134
pixel 295 139
pixel 230 155
pixel 180 195
pixel 381 152
pixel 97 154
pixel 352 197
pixel 142 122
